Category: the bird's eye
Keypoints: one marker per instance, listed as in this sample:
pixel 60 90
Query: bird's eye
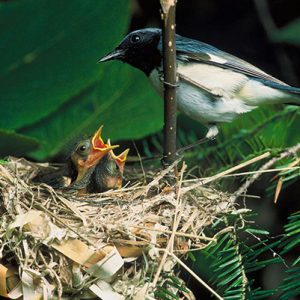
pixel 135 38
pixel 83 148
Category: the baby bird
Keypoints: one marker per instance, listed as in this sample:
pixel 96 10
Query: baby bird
pixel 96 167
pixel 108 173
pixel 92 168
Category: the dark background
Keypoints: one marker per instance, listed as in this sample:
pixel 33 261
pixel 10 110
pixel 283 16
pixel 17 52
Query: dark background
pixel 243 28
pixel 234 26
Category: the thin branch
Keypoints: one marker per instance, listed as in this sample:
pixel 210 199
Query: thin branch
pixel 140 161
pixel 189 235
pixel 226 172
pixel 180 262
pixel 177 217
pixel 247 173
pixel 292 150
pixel 169 64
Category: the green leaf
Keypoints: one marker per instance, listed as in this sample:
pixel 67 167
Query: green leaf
pixel 257 231
pixel 289 34
pixel 49 50
pixel 16 144
pixel 165 294
pixel 124 102
pixel 53 90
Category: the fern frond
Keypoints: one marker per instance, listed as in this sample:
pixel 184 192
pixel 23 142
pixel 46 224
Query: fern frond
pixel 291 284
pixel 170 288
pixel 235 258
pixel 292 230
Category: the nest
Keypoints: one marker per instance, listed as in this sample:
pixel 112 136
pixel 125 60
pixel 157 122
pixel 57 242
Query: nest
pixel 119 244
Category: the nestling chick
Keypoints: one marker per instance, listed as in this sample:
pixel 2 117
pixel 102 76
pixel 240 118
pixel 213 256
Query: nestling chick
pixel 98 169
pixel 85 159
pixel 108 173
pixel 92 167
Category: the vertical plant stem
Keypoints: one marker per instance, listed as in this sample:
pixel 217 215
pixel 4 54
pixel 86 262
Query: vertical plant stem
pixel 169 65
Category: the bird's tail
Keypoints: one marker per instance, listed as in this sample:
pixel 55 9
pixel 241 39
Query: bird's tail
pixel 295 96
pixel 293 93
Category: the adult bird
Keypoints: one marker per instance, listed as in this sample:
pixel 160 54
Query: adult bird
pixel 213 86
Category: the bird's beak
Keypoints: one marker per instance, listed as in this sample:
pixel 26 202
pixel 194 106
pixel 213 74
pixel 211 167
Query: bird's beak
pixel 99 149
pixel 116 54
pixel 120 159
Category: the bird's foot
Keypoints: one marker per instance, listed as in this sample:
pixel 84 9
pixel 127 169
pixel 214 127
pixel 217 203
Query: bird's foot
pixel 197 143
pixel 210 136
pixel 212 132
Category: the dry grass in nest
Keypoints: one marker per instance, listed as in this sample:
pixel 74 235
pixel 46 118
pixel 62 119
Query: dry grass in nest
pixel 114 245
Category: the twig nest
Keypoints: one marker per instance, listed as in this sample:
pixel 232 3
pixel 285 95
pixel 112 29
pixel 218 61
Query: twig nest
pixel 100 245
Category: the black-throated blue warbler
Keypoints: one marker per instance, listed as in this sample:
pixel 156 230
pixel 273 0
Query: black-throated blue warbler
pixel 213 86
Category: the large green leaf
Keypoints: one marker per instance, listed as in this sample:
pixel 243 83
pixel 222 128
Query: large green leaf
pixel 289 34
pixel 124 102
pixel 48 53
pixel 16 144
pixel 53 90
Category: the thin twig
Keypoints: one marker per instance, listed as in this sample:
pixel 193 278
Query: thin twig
pixel 292 150
pixel 178 209
pixel 226 172
pixel 63 223
pixel 53 273
pixel 169 66
pixel 189 235
pixel 180 262
pixel 248 173
pixel 140 160
pixel 171 240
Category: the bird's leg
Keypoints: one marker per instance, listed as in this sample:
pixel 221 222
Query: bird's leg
pixel 211 135
pixel 212 132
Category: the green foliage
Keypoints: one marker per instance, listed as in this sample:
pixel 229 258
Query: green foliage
pixel 235 256
pixel 16 143
pixel 253 134
pixel 102 103
pixel 52 90
pixel 242 250
pixel 289 34
pixel 292 230
pixel 291 285
pixel 170 289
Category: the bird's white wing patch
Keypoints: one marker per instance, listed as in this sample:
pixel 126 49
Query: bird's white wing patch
pixel 217 59
pixel 212 78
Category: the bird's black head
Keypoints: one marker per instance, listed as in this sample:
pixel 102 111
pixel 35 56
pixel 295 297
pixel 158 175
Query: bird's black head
pixel 139 49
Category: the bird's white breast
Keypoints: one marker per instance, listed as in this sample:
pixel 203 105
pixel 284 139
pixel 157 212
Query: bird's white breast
pixel 200 105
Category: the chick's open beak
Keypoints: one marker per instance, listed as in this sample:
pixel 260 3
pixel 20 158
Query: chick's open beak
pixel 99 149
pixel 115 54
pixel 119 159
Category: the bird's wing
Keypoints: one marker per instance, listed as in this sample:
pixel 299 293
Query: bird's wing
pixel 192 50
